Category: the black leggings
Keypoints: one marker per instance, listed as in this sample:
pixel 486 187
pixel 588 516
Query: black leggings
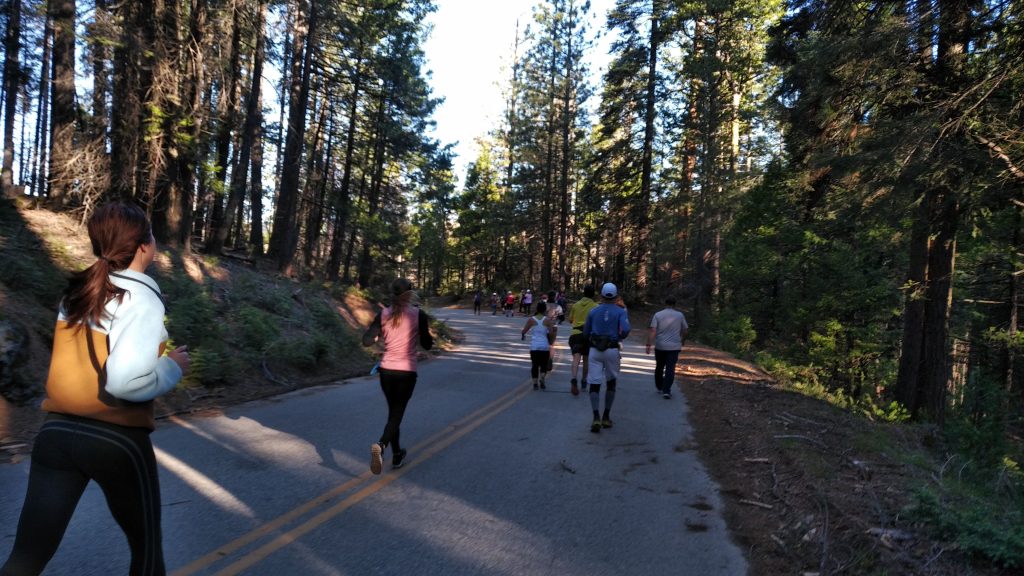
pixel 68 453
pixel 539 362
pixel 397 386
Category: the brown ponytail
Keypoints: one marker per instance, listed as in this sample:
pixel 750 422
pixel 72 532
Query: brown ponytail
pixel 402 297
pixel 116 231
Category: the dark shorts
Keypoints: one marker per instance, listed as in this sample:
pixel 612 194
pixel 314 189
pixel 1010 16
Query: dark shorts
pixel 579 344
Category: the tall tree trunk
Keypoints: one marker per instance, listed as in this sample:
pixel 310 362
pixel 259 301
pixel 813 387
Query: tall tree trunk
pixel 650 104
pixel 167 176
pixel 131 81
pixel 568 111
pixel 189 161
pixel 376 184
pixel 220 219
pixel 1014 315
pixel 953 38
pixel 237 189
pixel 547 227
pixel 938 301
pixel 164 112
pixel 37 183
pixel 350 248
pixel 316 183
pixel 62 130
pixel 256 178
pixel 908 375
pixel 285 236
pixel 341 205
pixel 12 87
pixel 512 121
pixel 99 55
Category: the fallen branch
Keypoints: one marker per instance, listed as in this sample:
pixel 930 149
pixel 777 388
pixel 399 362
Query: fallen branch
pixel 758 504
pixel 808 420
pixel 799 437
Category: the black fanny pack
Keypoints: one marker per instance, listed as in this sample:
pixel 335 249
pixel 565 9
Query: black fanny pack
pixel 602 343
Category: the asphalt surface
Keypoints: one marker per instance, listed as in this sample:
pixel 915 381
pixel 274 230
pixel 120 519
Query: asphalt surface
pixel 500 479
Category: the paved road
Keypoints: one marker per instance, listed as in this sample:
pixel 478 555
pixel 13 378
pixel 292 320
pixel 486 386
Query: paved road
pixel 501 480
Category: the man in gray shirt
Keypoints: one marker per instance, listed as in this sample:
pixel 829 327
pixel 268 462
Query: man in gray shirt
pixel 667 334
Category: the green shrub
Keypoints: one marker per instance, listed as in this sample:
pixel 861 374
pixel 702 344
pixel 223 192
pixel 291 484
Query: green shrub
pixel 981 525
pixel 192 317
pixel 256 330
pixel 731 332
pixel 272 299
pixel 304 352
pixel 211 365
pixel 325 318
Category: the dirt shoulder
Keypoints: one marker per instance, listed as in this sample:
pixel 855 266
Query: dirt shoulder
pixel 808 488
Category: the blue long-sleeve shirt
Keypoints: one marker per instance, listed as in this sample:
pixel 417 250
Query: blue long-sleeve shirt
pixel 608 319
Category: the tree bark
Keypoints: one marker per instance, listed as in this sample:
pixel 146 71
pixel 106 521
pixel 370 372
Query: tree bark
pixel 938 302
pixel 906 391
pixel 285 236
pixel 220 217
pixel 131 82
pixel 169 158
pixel 643 224
pixel 62 129
pixel 341 207
pixel 236 192
pixel 37 183
pixel 12 87
pixel 376 184
pixel 256 177
pixel 99 55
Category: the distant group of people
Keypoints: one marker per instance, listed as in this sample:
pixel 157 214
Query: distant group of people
pixel 598 329
pixel 508 302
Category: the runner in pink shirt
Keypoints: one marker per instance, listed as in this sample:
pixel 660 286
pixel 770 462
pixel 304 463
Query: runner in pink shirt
pixel 400 326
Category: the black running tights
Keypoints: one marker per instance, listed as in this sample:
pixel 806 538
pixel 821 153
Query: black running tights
pixel 539 362
pixel 397 386
pixel 68 453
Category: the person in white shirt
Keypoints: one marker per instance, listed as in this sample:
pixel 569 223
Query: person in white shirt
pixel 542 331
pixel 667 334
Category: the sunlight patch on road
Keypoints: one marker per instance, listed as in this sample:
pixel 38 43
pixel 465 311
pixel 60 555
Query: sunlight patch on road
pixel 475 537
pixel 203 485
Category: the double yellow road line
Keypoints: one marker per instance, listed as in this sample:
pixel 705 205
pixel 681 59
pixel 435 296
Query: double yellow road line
pixel 324 507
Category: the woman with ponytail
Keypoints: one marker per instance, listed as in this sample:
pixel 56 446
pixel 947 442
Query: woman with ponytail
pixel 401 326
pixel 107 366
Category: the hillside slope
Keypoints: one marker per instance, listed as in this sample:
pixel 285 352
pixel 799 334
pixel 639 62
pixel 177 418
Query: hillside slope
pixel 251 332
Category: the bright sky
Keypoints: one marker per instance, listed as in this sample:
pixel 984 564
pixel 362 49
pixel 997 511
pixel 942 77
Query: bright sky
pixel 470 52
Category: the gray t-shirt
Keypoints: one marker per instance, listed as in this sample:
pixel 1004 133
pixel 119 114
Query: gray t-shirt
pixel 668 324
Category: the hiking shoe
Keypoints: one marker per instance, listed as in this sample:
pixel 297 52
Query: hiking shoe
pixel 376 458
pixel 667 395
pixel 398 459
pixel 596 426
pixel 575 389
pixel 606 423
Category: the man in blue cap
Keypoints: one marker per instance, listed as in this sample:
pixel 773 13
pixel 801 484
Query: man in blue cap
pixel 607 325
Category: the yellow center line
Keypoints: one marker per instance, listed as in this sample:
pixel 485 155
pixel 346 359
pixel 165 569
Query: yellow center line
pixel 424 450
